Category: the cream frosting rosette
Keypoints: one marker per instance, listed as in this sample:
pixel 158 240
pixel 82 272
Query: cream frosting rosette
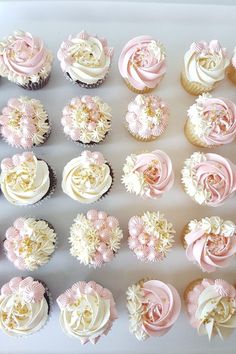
pixel 211 306
pixel 87 311
pixel 87 178
pixel 24 179
pixel 23 307
pixel 85 58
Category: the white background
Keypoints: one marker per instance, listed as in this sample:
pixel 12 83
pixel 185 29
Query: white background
pixel 176 26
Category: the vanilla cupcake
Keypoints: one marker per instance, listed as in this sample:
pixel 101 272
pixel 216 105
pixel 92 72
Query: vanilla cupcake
pixel 87 178
pixel 86 120
pixel 95 238
pixel 232 68
pixel 211 122
pixel 204 66
pixel 210 242
pixel 142 63
pixel 151 236
pixel 24 307
pixel 85 59
pixel 87 311
pixel 209 179
pixel 148 175
pixel 147 117
pixel 153 308
pixel 211 307
pixel 24 123
pixel 29 243
pixel 26 180
pixel 25 60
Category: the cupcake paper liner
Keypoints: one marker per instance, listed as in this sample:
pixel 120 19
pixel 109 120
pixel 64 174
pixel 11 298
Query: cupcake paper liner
pixel 83 84
pixel 190 287
pixel 193 139
pixel 145 90
pixel 193 88
pixel 31 86
pixel 231 73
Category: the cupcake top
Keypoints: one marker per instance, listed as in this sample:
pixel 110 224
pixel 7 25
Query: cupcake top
pixel 209 179
pixel 23 307
pixel 24 58
pixel 205 63
pixel 153 308
pixel 143 62
pixel 213 120
pixel 147 116
pixel 86 119
pixel 29 243
pixel 151 236
pixel 95 238
pixel 148 174
pixel 211 243
pixel 24 179
pixel 211 306
pixel 87 311
pixel 87 178
pixel 85 58
pixel 24 122
pixel 233 59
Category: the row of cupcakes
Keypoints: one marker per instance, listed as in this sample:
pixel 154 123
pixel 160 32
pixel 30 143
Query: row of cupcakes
pixel 209 179
pixel 87 119
pixel 88 310
pixel 95 239
pixel 86 59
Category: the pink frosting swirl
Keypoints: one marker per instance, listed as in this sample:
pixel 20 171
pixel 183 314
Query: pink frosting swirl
pixel 23 54
pixel 210 250
pixel 142 62
pixel 162 306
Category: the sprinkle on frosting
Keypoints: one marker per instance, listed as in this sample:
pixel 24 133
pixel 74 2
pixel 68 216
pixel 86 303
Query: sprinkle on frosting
pixel 151 236
pixel 213 120
pixel 205 63
pixel 24 179
pixel 23 307
pixel 85 58
pixel 29 243
pixel 209 178
pixel 87 311
pixel 24 58
pixel 211 306
pixel 24 122
pixel 87 178
pixel 95 238
pixel 143 62
pixel 153 308
pixel 86 119
pixel 211 243
pixel 148 174
pixel 147 116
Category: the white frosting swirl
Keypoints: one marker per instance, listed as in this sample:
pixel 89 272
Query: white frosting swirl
pixel 87 177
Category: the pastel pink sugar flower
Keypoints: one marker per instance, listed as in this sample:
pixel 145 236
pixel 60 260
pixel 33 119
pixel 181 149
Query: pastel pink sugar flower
pixel 32 291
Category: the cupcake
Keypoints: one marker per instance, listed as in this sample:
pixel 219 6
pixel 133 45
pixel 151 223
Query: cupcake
pixel 151 236
pixel 24 123
pixel 147 117
pixel 148 175
pixel 153 308
pixel 142 63
pixel 211 307
pixel 204 66
pixel 87 311
pixel 87 178
pixel 209 179
pixel 25 60
pixel 95 238
pixel 26 180
pixel 211 121
pixel 24 306
pixel 210 243
pixel 232 68
pixel 29 243
pixel 86 120
pixel 85 59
